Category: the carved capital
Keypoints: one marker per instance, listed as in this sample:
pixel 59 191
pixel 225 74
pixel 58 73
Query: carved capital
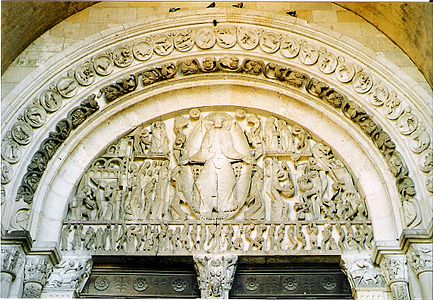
pixel 215 274
pixel 36 272
pixel 394 268
pixel 11 260
pixel 70 274
pixel 420 258
pixel 363 273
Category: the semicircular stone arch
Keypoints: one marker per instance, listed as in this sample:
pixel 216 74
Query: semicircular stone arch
pixel 77 94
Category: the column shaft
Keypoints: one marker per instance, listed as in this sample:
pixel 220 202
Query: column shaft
pixel 6 282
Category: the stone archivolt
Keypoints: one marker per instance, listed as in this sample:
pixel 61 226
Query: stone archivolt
pixel 289 46
pixel 247 38
pixel 284 74
pixel 218 181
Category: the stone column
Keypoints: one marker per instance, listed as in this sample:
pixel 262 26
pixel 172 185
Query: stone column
pixel 420 259
pixel 215 274
pixel 68 278
pixel 11 262
pixel 394 267
pixel 365 278
pixel 36 272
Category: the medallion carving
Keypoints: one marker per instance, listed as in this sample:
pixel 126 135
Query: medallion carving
pixel 35 116
pixel 290 47
pixel 327 61
pixel 205 38
pixel 308 54
pixel 184 40
pixel 163 44
pixel 123 56
pixel 345 70
pixel 85 74
pixel 50 100
pixel 226 36
pixel 103 64
pixel 269 42
pixel 362 82
pixel 67 86
pixel 7 172
pixel 22 133
pixel 11 151
pixel 142 50
pixel 247 38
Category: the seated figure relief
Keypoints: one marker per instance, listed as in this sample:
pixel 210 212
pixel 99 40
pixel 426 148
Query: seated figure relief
pixel 217 181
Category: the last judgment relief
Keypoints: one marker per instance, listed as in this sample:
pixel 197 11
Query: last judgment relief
pixel 217 181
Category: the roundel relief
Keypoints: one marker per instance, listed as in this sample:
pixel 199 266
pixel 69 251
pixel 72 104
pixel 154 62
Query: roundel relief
pixel 233 181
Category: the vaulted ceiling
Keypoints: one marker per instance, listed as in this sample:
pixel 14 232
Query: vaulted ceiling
pixel 409 25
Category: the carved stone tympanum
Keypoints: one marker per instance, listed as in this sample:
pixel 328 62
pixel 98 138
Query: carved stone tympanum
pixel 212 178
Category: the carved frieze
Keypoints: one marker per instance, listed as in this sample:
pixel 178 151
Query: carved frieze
pixel 151 238
pixel 144 283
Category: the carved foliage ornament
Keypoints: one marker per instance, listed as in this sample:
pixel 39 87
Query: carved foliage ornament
pixel 316 88
pixel 248 38
pixel 50 145
pixel 215 275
